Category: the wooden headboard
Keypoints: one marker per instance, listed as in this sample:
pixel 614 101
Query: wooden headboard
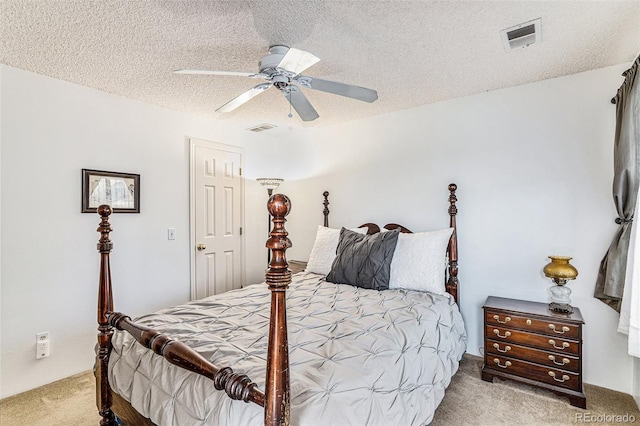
pixel 451 274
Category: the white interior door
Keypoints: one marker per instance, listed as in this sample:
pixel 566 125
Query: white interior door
pixel 217 201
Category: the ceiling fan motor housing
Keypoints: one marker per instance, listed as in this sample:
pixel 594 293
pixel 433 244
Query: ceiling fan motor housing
pixel 269 64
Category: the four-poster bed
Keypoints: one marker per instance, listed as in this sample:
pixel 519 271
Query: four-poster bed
pixel 367 350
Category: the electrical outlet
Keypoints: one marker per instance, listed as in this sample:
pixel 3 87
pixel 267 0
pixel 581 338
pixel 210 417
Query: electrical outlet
pixel 42 345
pixel 171 233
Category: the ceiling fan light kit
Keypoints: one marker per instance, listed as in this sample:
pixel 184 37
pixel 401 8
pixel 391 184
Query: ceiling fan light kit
pixel 281 69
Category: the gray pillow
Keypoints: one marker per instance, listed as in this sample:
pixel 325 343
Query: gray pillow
pixel 364 260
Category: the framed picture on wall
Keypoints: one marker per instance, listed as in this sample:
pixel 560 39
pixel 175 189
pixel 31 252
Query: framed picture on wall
pixel 119 190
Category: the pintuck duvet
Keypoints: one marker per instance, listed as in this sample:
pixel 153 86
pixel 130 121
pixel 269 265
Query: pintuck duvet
pixel 357 356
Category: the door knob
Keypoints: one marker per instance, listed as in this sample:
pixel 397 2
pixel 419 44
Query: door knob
pixel 201 246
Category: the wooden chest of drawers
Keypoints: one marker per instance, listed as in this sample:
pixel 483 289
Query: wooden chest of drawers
pixel 527 342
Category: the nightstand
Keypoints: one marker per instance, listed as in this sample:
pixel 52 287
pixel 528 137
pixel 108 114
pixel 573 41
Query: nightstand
pixel 527 342
pixel 296 266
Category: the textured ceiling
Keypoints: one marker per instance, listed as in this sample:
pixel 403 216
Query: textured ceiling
pixel 412 52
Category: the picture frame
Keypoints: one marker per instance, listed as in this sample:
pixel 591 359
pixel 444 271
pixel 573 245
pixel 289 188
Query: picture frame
pixel 119 190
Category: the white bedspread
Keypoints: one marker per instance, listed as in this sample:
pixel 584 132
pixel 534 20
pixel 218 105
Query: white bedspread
pixel 357 357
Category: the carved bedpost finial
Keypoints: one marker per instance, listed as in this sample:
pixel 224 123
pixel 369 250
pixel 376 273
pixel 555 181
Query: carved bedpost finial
pixel 278 278
pixel 452 282
pixel 104 244
pixel 279 207
pixel 453 210
pixel 325 211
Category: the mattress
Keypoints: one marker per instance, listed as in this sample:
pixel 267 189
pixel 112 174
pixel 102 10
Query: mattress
pixel 357 356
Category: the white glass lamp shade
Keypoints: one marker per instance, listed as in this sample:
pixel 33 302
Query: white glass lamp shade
pixel 270 183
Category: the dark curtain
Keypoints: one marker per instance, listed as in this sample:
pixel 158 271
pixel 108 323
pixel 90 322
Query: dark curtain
pixel 610 282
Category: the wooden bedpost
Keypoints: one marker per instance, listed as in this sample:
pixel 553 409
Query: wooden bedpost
pixel 105 331
pixel 278 278
pixel 452 282
pixel 325 211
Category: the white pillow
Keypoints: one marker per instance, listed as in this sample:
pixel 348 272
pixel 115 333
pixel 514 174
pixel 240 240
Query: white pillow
pixel 419 261
pixel 324 249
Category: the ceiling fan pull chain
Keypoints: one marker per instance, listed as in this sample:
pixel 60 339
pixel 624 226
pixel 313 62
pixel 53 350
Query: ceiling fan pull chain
pixel 290 115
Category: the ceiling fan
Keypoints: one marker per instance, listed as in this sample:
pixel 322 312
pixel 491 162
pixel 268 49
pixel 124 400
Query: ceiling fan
pixel 281 68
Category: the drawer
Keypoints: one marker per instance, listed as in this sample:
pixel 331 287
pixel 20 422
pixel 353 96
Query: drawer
pixel 564 361
pixel 536 325
pixel 548 343
pixel 552 376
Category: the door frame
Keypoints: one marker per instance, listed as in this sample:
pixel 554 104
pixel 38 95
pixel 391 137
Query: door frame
pixel 193 143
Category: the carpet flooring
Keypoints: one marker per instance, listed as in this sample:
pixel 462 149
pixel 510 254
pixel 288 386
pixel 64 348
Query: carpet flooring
pixel 471 401
pixel 468 401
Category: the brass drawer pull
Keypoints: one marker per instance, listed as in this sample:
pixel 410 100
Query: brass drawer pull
pixel 565 345
pixel 564 360
pixel 497 318
pixel 505 350
pixel 506 333
pixel 564 377
pixel 506 364
pixel 564 329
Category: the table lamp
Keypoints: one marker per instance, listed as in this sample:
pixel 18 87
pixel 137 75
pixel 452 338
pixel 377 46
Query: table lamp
pixel 560 271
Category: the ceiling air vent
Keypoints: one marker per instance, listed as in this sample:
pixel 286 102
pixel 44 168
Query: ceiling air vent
pixel 261 127
pixel 522 35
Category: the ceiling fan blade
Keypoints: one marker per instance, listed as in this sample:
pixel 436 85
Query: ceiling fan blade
pixel 236 102
pixel 209 72
pixel 348 90
pixel 297 61
pixel 300 103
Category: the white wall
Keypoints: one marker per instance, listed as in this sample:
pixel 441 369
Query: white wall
pixel 1 319
pixel 534 169
pixel 50 131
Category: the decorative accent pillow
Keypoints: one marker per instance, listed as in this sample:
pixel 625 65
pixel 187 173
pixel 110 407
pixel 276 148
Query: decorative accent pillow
pixel 324 249
pixel 364 260
pixel 419 261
